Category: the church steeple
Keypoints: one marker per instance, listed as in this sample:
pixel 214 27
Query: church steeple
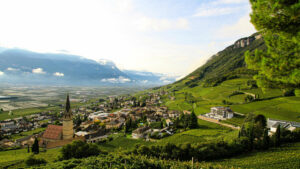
pixel 68 105
pixel 68 121
pixel 68 113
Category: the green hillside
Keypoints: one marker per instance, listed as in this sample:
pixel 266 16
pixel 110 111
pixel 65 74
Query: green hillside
pixel 225 81
pixel 227 64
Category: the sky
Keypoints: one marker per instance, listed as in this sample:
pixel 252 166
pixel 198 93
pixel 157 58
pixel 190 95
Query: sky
pixel 164 36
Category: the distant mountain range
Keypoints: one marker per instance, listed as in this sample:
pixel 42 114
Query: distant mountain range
pixel 22 67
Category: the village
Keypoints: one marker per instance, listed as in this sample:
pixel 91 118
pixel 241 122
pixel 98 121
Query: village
pixel 97 121
pixel 141 118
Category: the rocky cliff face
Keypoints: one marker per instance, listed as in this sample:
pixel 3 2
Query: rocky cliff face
pixel 246 41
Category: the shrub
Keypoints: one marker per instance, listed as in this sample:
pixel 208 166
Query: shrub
pixel 79 149
pixel 31 161
pixel 289 92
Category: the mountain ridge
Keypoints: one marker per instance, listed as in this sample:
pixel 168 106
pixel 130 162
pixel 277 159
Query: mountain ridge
pixel 20 66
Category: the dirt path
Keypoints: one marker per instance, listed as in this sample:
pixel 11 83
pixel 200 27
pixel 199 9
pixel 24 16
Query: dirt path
pixel 217 122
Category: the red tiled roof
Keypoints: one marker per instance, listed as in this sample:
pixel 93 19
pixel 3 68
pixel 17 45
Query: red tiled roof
pixel 53 132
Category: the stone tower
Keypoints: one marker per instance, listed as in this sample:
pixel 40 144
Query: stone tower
pixel 68 131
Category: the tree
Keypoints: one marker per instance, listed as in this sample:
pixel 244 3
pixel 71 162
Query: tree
pixel 79 149
pixel 186 120
pixel 266 139
pixel 278 22
pixel 35 146
pixel 77 120
pixel 28 149
pixel 259 126
pixel 277 136
pixel 193 121
pixel 242 132
pixel 251 135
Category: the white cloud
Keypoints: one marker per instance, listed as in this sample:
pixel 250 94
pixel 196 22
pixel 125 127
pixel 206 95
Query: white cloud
pixel 153 24
pixel 144 81
pixel 220 7
pixel 166 81
pixel 121 79
pixel 215 11
pixel 218 2
pixel 12 69
pixel 1 73
pixel 38 71
pixel 58 74
pixel 241 28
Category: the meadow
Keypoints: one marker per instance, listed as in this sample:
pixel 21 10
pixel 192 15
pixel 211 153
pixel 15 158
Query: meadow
pixel 16 158
pixel 271 103
pixel 206 132
pixel 284 157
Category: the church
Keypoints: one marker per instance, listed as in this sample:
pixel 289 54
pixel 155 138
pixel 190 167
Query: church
pixel 57 136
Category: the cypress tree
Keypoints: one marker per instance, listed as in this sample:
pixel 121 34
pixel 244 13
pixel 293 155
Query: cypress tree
pixel 277 136
pixel 35 146
pixel 193 121
pixel 28 149
pixel 251 135
pixel 266 139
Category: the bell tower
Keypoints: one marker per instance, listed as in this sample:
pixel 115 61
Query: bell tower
pixel 68 131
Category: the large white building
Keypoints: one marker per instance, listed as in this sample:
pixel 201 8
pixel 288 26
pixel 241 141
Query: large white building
pixel 220 113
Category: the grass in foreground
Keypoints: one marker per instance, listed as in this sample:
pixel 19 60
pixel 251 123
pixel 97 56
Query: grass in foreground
pixel 285 157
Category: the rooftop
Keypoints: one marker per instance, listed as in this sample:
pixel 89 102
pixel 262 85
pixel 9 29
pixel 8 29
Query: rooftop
pixel 53 132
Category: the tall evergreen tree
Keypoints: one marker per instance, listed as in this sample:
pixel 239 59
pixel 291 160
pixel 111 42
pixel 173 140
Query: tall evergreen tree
pixel 251 135
pixel 193 121
pixel 277 136
pixel 279 22
pixel 35 146
pixel 266 139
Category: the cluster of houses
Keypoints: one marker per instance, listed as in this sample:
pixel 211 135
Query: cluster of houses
pixel 26 123
pixel 118 119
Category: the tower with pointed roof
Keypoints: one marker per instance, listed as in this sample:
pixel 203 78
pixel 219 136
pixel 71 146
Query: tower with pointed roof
pixel 68 131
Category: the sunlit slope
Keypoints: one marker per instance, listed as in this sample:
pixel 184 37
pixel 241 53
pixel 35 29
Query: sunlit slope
pixel 226 73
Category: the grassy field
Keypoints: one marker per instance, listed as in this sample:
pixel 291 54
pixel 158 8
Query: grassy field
pixel 206 132
pixel 17 157
pixel 285 157
pixel 24 112
pixel 271 104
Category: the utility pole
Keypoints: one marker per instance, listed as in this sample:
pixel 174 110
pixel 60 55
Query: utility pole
pixel 192 162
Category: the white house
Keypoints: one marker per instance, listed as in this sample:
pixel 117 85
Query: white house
pixel 140 132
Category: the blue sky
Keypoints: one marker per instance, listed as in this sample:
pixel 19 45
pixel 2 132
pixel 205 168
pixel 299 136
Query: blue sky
pixel 165 36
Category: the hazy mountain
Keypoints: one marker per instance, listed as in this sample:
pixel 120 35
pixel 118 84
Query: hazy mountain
pixel 149 78
pixel 26 67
